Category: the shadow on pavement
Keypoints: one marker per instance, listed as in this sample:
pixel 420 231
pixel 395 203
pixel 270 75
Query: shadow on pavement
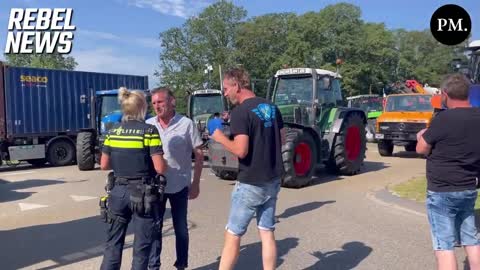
pixel 8 189
pixel 61 243
pixel 373 166
pixel 322 175
pixel 307 207
pixel 405 154
pixel 251 255
pixel 351 254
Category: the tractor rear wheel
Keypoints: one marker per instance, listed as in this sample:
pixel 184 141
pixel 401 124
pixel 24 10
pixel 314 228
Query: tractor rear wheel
pixel 349 147
pixel 85 151
pixel 299 156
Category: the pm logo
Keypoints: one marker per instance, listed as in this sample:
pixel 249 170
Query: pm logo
pixel 450 24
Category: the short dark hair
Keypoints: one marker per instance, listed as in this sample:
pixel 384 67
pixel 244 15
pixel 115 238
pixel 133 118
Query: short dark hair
pixel 166 90
pixel 240 76
pixel 217 114
pixel 456 86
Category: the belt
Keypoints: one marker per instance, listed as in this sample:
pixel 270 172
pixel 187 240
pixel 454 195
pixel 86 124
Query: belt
pixel 129 180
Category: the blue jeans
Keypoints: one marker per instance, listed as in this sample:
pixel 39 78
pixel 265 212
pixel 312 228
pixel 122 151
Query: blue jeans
pixel 179 207
pixel 143 227
pixel 452 219
pixel 249 200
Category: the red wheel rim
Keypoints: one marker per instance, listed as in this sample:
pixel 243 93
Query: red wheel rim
pixel 302 160
pixel 352 144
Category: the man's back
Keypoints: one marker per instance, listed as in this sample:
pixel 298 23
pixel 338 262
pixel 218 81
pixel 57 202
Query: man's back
pixel 261 121
pixel 454 162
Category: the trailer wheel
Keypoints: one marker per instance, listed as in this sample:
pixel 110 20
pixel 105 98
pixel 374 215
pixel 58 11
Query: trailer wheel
pixel 349 147
pixel 299 159
pixel 85 151
pixel 61 153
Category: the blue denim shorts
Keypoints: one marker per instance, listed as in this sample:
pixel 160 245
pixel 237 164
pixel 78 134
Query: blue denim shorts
pixel 452 219
pixel 250 200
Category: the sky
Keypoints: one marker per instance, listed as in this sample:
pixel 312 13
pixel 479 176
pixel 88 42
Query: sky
pixel 122 36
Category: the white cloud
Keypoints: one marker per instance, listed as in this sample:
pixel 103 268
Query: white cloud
pixel 109 60
pixel 179 8
pixel 138 41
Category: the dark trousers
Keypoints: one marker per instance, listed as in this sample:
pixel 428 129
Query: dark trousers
pixel 143 227
pixel 179 205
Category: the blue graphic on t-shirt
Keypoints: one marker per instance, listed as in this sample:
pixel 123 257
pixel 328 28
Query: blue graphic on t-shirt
pixel 266 113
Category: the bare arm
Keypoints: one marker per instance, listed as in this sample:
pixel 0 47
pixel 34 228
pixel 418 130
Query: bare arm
pixel 197 169
pixel 239 145
pixel 105 162
pixel 422 146
pixel 159 164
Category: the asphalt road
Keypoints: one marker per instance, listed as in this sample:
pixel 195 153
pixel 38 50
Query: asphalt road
pixel 48 220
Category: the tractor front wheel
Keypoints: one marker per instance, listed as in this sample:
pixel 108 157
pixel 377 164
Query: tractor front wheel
pixel 299 159
pixel 349 147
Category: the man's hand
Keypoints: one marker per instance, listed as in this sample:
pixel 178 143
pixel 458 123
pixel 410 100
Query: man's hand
pixel 194 191
pixel 218 135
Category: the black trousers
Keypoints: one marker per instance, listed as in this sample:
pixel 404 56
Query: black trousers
pixel 143 227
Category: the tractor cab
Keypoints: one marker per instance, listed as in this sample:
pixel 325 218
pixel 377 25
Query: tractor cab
pixel 303 95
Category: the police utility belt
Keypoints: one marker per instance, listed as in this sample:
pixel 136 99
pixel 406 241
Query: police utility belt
pixel 144 191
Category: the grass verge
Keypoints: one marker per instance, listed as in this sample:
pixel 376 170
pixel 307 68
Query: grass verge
pixel 416 189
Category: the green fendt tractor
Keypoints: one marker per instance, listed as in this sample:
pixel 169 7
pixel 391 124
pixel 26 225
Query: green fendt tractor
pixel 372 105
pixel 319 131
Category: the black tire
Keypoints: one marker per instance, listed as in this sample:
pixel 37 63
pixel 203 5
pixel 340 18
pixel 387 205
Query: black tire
pixel 61 152
pixel 37 162
pixel 299 156
pixel 85 151
pixel 349 146
pixel 227 175
pixel 385 148
pixel 411 147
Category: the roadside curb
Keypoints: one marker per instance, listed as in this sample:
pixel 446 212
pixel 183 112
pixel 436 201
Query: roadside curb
pixel 384 197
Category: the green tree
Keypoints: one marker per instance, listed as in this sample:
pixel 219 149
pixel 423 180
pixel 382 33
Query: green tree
pixel 50 61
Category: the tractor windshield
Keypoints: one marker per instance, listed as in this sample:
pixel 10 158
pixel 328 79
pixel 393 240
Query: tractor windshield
pixel 409 103
pixel 206 104
pixel 294 90
pixel 371 104
pixel 110 105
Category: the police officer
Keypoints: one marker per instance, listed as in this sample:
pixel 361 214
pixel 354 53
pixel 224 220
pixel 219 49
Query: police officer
pixel 133 150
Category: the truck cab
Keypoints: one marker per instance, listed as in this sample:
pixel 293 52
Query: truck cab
pixel 404 115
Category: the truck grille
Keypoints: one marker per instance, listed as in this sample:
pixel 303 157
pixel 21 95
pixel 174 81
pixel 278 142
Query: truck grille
pixel 401 127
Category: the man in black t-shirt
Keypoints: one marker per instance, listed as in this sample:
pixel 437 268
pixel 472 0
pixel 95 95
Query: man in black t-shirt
pixel 452 147
pixel 257 127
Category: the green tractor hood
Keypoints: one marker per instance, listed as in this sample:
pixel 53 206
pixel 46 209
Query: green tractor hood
pixel 374 114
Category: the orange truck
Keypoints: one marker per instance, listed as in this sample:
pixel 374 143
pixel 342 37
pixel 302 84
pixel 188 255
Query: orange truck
pixel 404 115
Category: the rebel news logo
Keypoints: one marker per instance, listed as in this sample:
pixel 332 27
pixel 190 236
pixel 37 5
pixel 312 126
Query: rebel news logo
pixel 450 24
pixel 40 30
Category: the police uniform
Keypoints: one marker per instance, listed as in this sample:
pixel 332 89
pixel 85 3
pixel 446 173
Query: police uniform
pixel 130 146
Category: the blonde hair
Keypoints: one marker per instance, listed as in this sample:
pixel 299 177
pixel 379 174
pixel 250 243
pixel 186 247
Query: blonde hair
pixel 134 104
